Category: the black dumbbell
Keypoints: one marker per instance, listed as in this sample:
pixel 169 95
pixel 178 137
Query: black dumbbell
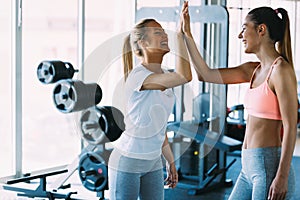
pixel 74 95
pixel 101 124
pixel 53 71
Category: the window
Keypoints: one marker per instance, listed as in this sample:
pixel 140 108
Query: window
pixel 104 37
pixel 50 138
pixel 6 147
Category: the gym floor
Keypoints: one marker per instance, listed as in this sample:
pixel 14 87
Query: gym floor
pixel 219 193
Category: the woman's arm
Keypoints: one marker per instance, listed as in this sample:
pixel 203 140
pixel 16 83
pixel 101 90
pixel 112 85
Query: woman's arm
pixel 239 74
pixel 172 177
pixel 283 76
pixel 181 75
pixel 182 72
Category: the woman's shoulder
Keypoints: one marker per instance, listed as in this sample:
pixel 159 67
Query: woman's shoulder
pixel 282 66
pixel 281 62
pixel 283 70
pixel 139 68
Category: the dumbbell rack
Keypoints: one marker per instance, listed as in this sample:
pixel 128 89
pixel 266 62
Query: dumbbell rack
pixel 72 96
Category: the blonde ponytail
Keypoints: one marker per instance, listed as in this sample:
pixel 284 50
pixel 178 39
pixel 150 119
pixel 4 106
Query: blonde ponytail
pixel 131 45
pixel 127 57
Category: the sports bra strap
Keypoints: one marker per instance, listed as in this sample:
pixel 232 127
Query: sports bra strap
pixel 251 80
pixel 272 66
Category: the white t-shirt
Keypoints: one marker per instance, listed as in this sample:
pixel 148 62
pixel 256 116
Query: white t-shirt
pixel 146 117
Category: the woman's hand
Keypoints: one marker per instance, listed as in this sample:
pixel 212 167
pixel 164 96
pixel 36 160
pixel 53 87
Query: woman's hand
pixel 278 189
pixel 185 19
pixel 172 176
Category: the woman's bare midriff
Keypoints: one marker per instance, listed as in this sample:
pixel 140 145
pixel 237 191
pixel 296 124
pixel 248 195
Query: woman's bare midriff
pixel 262 133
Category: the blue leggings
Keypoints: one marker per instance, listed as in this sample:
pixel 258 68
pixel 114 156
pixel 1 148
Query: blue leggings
pixel 259 167
pixel 131 178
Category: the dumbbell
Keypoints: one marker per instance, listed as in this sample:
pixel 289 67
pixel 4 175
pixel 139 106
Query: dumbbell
pixel 101 124
pixel 74 95
pixel 93 172
pixel 53 71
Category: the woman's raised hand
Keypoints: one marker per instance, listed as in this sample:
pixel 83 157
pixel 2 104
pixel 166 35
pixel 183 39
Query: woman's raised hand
pixel 185 19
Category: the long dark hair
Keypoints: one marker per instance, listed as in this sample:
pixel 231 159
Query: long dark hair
pixel 131 44
pixel 278 25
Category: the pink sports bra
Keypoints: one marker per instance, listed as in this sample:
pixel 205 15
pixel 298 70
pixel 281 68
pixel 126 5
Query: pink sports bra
pixel 261 100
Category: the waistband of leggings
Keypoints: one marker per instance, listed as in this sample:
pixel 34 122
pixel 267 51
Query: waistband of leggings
pixel 262 151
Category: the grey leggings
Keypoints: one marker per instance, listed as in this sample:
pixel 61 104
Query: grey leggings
pixel 131 178
pixel 259 167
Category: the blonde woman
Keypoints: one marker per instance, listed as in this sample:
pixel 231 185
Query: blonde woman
pixel 135 165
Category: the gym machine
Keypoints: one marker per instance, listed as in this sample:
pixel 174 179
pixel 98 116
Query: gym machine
pixel 99 125
pixel 235 122
pixel 202 165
